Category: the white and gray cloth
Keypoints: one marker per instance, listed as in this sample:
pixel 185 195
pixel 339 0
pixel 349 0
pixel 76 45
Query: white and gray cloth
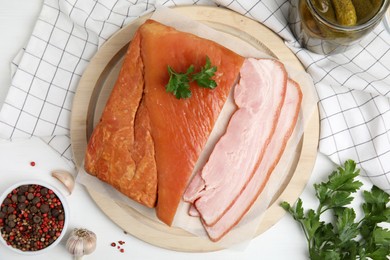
pixel 353 87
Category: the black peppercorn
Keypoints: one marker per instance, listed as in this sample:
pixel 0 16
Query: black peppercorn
pixel 45 208
pixel 36 200
pixel 30 196
pixel 37 219
pixel 21 206
pixel 44 191
pixel 14 198
pixel 10 209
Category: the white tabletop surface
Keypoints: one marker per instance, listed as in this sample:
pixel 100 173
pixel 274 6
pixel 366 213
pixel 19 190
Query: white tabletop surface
pixel 283 241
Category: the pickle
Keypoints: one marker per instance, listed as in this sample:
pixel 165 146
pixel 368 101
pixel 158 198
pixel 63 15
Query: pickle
pixel 345 12
pixel 325 8
pixel 364 10
pixel 376 3
pixel 308 19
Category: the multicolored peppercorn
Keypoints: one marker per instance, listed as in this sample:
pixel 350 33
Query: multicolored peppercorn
pixel 31 217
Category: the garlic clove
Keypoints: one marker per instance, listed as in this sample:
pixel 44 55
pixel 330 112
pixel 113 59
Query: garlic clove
pixel 90 243
pixel 65 178
pixel 75 246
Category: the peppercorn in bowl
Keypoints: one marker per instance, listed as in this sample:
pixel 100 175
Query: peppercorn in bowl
pixel 33 217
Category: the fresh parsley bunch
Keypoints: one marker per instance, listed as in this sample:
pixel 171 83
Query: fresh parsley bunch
pixel 179 83
pixel 344 237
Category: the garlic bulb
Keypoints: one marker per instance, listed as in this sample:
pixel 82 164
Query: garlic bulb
pixel 66 178
pixel 81 242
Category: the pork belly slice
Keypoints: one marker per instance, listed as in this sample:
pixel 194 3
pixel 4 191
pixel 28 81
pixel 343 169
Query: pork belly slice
pixel 286 124
pixel 192 211
pixel 259 96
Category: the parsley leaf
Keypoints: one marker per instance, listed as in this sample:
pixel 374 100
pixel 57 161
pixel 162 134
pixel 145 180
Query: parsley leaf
pixel 179 83
pixel 203 78
pixel 382 236
pixel 344 237
pixel 346 227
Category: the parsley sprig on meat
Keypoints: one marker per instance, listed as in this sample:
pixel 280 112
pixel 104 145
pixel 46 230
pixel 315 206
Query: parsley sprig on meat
pixel 344 237
pixel 179 83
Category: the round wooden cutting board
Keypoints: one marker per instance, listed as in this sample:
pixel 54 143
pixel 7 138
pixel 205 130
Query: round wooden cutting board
pixel 95 87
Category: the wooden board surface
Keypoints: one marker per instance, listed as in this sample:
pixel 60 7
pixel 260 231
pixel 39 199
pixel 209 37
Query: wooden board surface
pixel 94 89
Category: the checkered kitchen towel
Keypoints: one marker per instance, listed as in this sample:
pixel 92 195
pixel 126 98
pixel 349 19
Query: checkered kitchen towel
pixel 354 87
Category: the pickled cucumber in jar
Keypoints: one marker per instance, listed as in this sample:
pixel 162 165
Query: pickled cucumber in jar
pixel 325 8
pixel 364 10
pixel 334 26
pixel 308 19
pixel 347 12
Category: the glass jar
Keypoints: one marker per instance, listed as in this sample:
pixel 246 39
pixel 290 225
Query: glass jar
pixel 317 27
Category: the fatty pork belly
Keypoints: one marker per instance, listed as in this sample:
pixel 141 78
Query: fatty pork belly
pixel 286 124
pixel 259 96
